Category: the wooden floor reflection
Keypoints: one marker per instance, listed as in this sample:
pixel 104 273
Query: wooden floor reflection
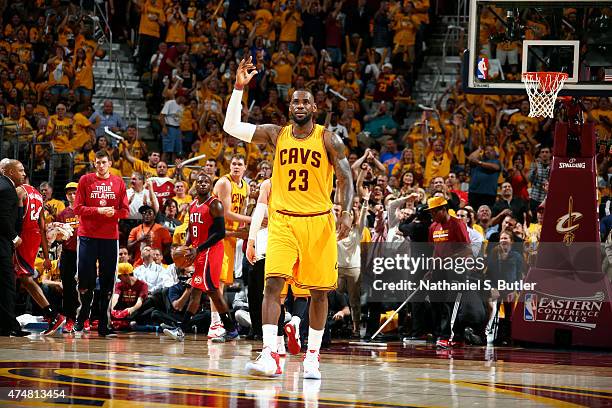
pixel 146 370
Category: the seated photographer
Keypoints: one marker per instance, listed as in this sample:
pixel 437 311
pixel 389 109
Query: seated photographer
pixel 176 299
pixel 506 264
pixel 338 323
pixel 338 318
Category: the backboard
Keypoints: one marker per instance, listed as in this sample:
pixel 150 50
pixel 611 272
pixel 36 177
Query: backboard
pixel 507 38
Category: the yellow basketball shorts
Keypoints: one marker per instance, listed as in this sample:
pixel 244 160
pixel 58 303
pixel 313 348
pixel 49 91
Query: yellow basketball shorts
pixel 303 250
pixel 297 292
pixel 229 255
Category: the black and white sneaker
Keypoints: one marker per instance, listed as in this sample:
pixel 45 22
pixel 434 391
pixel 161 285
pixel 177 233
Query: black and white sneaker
pixel 177 334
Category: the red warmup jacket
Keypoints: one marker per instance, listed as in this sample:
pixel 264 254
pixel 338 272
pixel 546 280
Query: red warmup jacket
pixel 94 192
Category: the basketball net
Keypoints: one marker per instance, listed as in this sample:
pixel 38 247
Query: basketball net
pixel 542 89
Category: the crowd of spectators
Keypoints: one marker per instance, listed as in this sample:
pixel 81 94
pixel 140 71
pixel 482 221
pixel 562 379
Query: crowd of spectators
pixel 359 58
pixel 47 119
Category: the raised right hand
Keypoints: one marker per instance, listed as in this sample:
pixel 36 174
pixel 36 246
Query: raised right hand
pixel 243 76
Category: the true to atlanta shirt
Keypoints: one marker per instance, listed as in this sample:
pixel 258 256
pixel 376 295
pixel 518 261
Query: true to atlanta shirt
pixel 95 192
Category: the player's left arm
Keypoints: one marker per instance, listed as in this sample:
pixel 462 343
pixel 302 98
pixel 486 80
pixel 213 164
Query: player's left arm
pixel 344 180
pixel 43 241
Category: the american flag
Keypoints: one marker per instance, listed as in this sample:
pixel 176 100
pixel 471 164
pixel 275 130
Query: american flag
pixel 608 74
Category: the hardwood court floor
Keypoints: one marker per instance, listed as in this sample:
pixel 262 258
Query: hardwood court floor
pixel 149 370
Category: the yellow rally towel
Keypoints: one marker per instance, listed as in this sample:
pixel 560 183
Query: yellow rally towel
pixel 393 324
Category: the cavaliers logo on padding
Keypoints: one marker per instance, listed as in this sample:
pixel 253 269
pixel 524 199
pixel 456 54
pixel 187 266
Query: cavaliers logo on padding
pixel 566 224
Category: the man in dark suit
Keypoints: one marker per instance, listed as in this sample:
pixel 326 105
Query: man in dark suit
pixel 12 174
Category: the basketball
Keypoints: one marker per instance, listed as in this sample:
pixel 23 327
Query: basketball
pixel 179 256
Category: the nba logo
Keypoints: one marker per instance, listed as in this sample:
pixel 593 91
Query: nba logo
pixel 531 307
pixel 482 69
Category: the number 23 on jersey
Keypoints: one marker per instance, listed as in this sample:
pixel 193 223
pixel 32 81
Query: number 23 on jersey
pixel 300 178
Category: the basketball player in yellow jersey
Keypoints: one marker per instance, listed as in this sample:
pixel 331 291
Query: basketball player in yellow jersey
pixel 301 228
pixel 232 190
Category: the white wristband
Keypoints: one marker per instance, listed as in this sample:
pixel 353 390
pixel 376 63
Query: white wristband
pixel 257 218
pixel 233 124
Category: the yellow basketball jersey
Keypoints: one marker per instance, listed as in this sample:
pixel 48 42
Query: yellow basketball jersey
pixel 302 175
pixel 239 199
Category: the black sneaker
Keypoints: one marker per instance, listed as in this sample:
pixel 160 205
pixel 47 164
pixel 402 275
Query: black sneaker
pixel 79 327
pixel 15 333
pixel 108 333
pixel 471 337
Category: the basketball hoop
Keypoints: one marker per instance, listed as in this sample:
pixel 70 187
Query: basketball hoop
pixel 542 89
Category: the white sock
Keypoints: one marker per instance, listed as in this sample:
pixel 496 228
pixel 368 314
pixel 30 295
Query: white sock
pixel 269 337
pixel 314 339
pixel 215 319
pixel 280 340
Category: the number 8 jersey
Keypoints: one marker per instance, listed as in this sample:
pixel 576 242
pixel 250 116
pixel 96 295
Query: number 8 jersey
pixel 302 173
pixel 200 221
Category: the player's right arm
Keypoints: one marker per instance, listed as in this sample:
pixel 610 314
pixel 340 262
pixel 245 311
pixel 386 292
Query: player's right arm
pixel 233 125
pixel 344 180
pixel 257 218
